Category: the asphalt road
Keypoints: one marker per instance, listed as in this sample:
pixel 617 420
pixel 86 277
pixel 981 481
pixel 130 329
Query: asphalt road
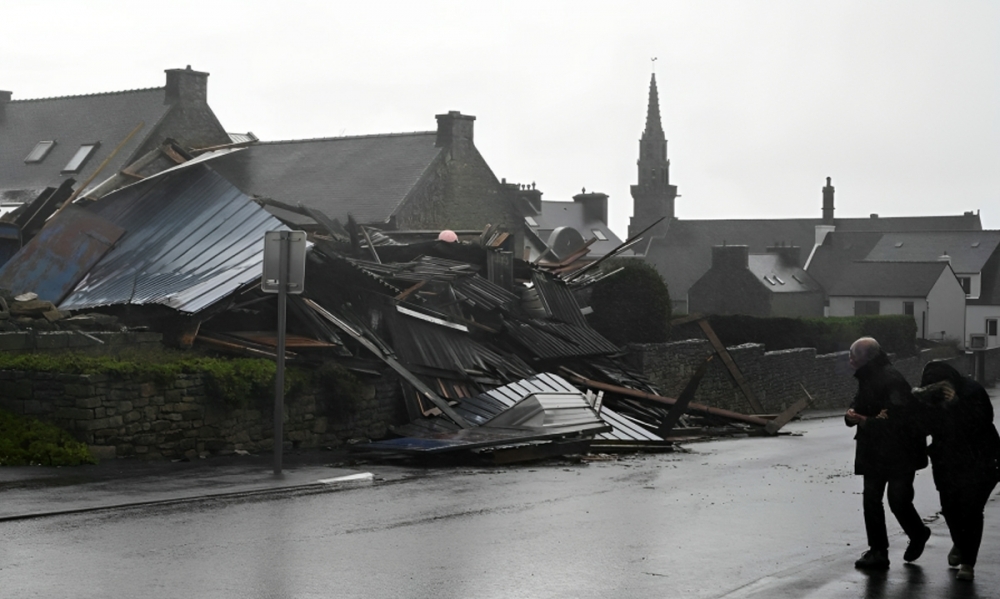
pixel 753 517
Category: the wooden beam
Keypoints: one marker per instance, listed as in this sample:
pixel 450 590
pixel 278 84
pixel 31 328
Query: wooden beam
pixel 734 370
pixel 785 417
pixel 659 399
pixel 683 401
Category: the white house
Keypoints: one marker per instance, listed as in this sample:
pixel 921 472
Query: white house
pixel 928 291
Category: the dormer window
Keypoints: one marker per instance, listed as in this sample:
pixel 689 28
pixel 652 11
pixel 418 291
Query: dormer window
pixel 40 151
pixel 80 158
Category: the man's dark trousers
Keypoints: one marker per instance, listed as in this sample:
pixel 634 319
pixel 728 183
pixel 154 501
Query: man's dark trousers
pixel 899 491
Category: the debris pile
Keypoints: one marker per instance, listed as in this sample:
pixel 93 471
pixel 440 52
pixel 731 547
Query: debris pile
pixel 494 354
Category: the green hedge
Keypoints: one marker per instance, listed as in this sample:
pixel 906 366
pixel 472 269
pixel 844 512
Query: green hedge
pixel 896 334
pixel 27 441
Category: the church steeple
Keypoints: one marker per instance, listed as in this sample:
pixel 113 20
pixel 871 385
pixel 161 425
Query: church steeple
pixel 653 125
pixel 653 195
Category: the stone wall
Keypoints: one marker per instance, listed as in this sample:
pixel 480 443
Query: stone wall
pixel 778 378
pixel 125 418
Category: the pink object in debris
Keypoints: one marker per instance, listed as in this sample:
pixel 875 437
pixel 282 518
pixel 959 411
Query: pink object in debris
pixel 447 235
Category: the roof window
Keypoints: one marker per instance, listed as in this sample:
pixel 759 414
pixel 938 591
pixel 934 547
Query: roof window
pixel 80 158
pixel 975 244
pixel 531 222
pixel 899 244
pixel 40 151
pixel 778 279
pixel 599 234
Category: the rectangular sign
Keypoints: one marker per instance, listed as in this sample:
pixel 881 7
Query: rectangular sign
pixel 295 252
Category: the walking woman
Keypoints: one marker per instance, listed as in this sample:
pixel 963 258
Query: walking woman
pixel 964 451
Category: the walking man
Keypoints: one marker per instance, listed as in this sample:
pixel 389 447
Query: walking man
pixel 890 448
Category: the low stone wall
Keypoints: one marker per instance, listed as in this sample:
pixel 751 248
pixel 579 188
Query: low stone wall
pixel 776 378
pixel 122 417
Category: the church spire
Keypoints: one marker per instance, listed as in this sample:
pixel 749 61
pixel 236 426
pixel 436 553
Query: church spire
pixel 653 195
pixel 653 126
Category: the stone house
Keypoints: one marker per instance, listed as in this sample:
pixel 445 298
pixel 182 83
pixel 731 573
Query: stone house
pixel 762 285
pixel 49 140
pixel 424 181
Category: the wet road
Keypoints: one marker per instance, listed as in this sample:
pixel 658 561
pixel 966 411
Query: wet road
pixel 710 523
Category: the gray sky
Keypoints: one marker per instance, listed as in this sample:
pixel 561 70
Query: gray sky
pixel 898 101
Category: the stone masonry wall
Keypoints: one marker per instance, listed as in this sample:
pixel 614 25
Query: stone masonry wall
pixel 776 378
pixel 124 418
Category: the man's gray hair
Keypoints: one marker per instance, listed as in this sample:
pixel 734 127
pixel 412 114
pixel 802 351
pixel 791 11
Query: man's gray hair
pixel 864 349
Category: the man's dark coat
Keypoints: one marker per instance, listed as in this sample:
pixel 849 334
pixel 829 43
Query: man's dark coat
pixel 894 445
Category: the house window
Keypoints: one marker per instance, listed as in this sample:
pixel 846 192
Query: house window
pixel 80 158
pixel 866 307
pixel 991 327
pixel 40 151
pixel 599 234
pixel 966 283
pixel 908 308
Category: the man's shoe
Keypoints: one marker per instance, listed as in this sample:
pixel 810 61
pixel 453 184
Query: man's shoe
pixel 965 572
pixel 954 557
pixel 916 546
pixel 873 559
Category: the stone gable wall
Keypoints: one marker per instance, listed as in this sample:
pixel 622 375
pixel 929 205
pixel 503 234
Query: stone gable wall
pixel 132 418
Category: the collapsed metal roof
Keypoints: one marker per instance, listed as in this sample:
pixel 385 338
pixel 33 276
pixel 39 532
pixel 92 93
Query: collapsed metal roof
pixel 191 239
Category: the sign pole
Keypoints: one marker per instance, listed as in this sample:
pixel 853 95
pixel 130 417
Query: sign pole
pixel 279 376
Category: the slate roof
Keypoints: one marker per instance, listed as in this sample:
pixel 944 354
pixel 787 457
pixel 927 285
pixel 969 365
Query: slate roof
pixel 72 121
pixel 968 250
pixel 683 254
pixel 778 276
pixel 840 250
pixel 889 279
pixel 367 176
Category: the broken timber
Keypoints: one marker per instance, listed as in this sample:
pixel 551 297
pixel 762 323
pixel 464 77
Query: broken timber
pixel 670 401
pixel 731 365
pixel 419 385
pixel 683 401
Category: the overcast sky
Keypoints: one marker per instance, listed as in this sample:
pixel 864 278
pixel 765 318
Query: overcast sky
pixel 896 101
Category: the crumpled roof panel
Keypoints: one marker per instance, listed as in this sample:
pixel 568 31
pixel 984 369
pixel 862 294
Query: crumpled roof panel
pixel 191 239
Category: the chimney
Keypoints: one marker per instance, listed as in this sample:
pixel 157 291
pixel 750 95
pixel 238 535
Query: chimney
pixel 453 127
pixel 595 205
pixel 730 257
pixel 4 100
pixel 828 203
pixel 185 86
pixel 790 254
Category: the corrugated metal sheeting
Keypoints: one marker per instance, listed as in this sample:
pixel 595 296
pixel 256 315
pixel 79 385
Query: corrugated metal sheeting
pixel 191 239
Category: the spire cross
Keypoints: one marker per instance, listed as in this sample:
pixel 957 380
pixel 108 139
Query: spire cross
pixel 653 62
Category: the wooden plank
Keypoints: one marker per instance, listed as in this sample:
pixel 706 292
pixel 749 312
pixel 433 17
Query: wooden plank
pixel 755 404
pixel 683 401
pixel 793 410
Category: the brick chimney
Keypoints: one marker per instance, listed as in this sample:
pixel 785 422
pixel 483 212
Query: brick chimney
pixel 4 100
pixel 595 205
pixel 185 86
pixel 730 257
pixel 454 128
pixel 828 203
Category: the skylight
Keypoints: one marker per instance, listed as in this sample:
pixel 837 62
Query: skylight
pixel 599 234
pixel 80 158
pixel 40 151
pixel 531 222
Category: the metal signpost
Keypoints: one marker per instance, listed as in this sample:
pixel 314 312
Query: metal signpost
pixel 284 273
